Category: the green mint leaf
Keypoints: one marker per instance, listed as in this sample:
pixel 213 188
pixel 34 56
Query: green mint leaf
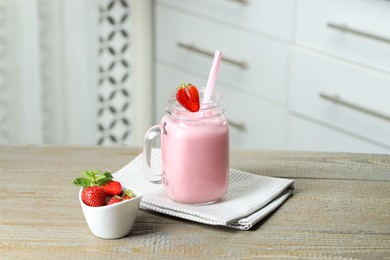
pixel 100 177
pixel 82 182
pixel 108 175
pixel 94 177
pixel 103 181
pixel 89 174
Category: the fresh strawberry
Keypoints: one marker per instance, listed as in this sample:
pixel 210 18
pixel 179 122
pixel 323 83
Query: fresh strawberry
pixel 112 188
pixel 128 194
pixel 115 199
pixel 94 196
pixel 188 96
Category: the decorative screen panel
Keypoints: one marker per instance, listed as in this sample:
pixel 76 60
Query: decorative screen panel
pixel 114 64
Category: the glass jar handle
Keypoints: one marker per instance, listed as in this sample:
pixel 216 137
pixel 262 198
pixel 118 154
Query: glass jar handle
pixel 152 133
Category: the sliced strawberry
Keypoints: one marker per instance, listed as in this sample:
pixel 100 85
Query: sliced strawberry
pixel 115 199
pixel 188 96
pixel 112 188
pixel 94 196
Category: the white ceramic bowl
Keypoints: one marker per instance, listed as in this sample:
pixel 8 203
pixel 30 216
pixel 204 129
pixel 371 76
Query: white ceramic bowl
pixel 112 221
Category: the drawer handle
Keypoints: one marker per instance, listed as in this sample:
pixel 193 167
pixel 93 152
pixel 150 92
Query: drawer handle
pixel 337 100
pixel 348 29
pixel 190 47
pixel 243 2
pixel 239 126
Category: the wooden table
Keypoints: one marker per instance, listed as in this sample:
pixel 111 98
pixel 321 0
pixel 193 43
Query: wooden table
pixel 341 209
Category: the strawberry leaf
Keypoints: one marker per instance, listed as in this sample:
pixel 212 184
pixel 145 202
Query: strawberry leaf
pixel 129 193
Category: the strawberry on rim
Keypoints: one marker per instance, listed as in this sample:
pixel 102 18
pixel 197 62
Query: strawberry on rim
pixel 188 96
pixel 112 188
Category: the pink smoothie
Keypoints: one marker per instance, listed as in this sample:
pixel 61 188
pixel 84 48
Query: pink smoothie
pixel 195 159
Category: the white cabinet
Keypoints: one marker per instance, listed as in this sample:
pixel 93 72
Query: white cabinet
pixel 253 75
pixel 263 127
pixel 250 62
pixel 340 76
pixel 271 18
pixel 352 98
pixel 308 135
pixel 295 74
pixel 357 30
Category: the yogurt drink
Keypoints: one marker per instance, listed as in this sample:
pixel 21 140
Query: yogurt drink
pixel 195 151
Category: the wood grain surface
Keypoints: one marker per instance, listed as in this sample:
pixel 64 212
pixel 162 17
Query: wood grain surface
pixel 340 210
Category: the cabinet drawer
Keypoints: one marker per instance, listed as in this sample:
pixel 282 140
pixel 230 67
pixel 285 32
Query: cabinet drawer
pixel 254 124
pixel 310 136
pixel 348 97
pixel 250 63
pixel 261 125
pixel 274 17
pixel 354 29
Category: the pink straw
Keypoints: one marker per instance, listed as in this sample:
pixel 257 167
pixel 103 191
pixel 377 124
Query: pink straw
pixel 212 77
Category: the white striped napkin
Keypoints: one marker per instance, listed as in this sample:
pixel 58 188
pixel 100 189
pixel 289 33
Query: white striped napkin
pixel 249 198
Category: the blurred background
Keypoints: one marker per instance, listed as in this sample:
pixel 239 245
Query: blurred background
pixel 69 71
pixel 296 74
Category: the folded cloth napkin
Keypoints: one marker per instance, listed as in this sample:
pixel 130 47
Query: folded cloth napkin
pixel 249 198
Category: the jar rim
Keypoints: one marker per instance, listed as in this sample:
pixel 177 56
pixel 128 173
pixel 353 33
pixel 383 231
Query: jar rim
pixel 173 107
